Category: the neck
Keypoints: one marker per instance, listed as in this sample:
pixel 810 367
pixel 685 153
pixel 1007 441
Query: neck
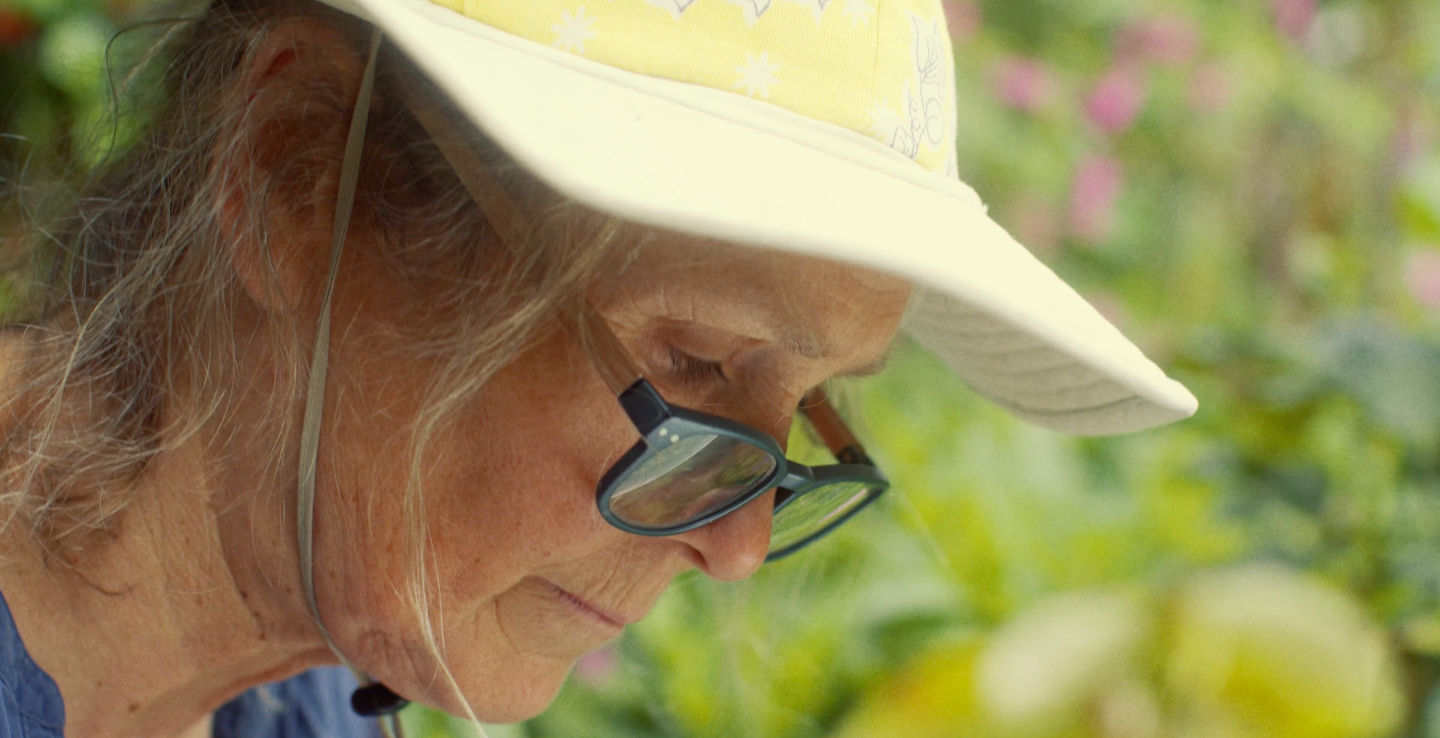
pixel 179 612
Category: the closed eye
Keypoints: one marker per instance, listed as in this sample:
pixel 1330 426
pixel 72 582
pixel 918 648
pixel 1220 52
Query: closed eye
pixel 693 370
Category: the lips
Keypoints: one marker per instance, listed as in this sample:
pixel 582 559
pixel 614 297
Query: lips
pixel 544 619
pixel 604 615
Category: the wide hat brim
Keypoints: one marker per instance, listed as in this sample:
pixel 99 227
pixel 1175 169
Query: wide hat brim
pixel 721 165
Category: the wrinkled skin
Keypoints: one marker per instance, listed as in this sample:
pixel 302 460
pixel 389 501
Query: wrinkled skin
pixel 196 596
pixel 518 539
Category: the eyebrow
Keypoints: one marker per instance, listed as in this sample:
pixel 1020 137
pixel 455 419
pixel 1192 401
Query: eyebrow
pixel 801 340
pixel 806 344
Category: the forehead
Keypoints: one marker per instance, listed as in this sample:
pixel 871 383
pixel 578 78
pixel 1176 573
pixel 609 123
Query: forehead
pixel 807 303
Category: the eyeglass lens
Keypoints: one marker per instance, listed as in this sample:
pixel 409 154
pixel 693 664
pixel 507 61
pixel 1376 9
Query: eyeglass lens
pixel 688 479
pixel 815 511
pixel 694 477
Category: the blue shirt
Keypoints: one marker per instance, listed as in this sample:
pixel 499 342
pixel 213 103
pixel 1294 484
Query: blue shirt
pixel 315 704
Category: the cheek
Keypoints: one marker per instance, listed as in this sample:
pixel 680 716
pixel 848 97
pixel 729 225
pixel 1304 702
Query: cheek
pixel 514 486
pixel 510 498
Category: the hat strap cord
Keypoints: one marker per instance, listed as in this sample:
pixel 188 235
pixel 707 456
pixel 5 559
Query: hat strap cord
pixel 372 699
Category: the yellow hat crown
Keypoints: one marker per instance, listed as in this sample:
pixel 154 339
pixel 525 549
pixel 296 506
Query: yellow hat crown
pixel 881 68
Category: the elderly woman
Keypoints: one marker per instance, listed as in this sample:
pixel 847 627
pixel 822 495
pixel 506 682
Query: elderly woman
pixel 435 338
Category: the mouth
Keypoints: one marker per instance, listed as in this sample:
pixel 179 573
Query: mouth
pixel 586 608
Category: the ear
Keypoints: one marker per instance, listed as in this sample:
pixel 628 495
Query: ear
pixel 277 165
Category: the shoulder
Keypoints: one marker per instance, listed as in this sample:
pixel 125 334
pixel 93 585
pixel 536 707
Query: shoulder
pixel 315 704
pixel 30 702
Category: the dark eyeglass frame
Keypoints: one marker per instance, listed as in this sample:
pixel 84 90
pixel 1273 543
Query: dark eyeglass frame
pixel 655 419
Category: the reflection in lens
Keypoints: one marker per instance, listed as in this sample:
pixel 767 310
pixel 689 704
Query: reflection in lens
pixel 812 512
pixel 689 479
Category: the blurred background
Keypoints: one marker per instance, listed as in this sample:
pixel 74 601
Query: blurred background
pixel 1251 190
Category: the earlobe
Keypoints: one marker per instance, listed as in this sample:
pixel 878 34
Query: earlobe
pixel 277 162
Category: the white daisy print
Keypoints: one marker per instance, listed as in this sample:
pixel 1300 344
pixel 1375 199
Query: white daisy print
pixel 573 30
pixel 890 126
pixel 859 12
pixel 884 119
pixel 757 75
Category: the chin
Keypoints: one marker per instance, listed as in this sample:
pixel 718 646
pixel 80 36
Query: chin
pixel 505 698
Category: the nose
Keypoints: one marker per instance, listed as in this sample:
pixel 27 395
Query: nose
pixel 733 547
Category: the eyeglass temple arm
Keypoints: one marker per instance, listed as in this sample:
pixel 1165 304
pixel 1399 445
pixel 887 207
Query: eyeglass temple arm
pixel 832 429
pixel 612 361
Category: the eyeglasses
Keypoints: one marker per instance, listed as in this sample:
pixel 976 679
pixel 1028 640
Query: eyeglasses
pixel 689 468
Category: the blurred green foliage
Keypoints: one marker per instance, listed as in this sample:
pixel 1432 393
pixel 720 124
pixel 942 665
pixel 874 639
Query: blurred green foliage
pixel 1251 190
pixel 67 97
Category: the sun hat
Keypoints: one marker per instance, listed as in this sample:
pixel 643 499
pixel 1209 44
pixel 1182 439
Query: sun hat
pixel 821 127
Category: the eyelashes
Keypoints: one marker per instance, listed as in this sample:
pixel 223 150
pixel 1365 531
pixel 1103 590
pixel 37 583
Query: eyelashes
pixel 694 371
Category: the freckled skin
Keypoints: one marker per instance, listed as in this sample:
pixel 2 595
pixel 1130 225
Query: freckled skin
pixel 524 575
pixel 511 481
pixel 196 597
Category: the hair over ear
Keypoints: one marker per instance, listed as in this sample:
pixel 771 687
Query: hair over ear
pixel 278 174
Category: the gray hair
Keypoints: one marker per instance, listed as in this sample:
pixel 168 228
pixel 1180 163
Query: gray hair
pixel 132 299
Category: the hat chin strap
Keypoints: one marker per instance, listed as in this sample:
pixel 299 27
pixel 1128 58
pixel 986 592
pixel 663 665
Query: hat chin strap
pixel 372 699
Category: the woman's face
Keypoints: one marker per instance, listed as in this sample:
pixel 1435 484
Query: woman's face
pixel 523 574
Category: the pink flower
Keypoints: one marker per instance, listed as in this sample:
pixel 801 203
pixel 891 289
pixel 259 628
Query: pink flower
pixel 963 18
pixel 1293 17
pixel 1422 277
pixel 1116 100
pixel 1210 89
pixel 1023 84
pixel 1414 135
pixel 1093 197
pixel 597 666
pixel 1170 40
